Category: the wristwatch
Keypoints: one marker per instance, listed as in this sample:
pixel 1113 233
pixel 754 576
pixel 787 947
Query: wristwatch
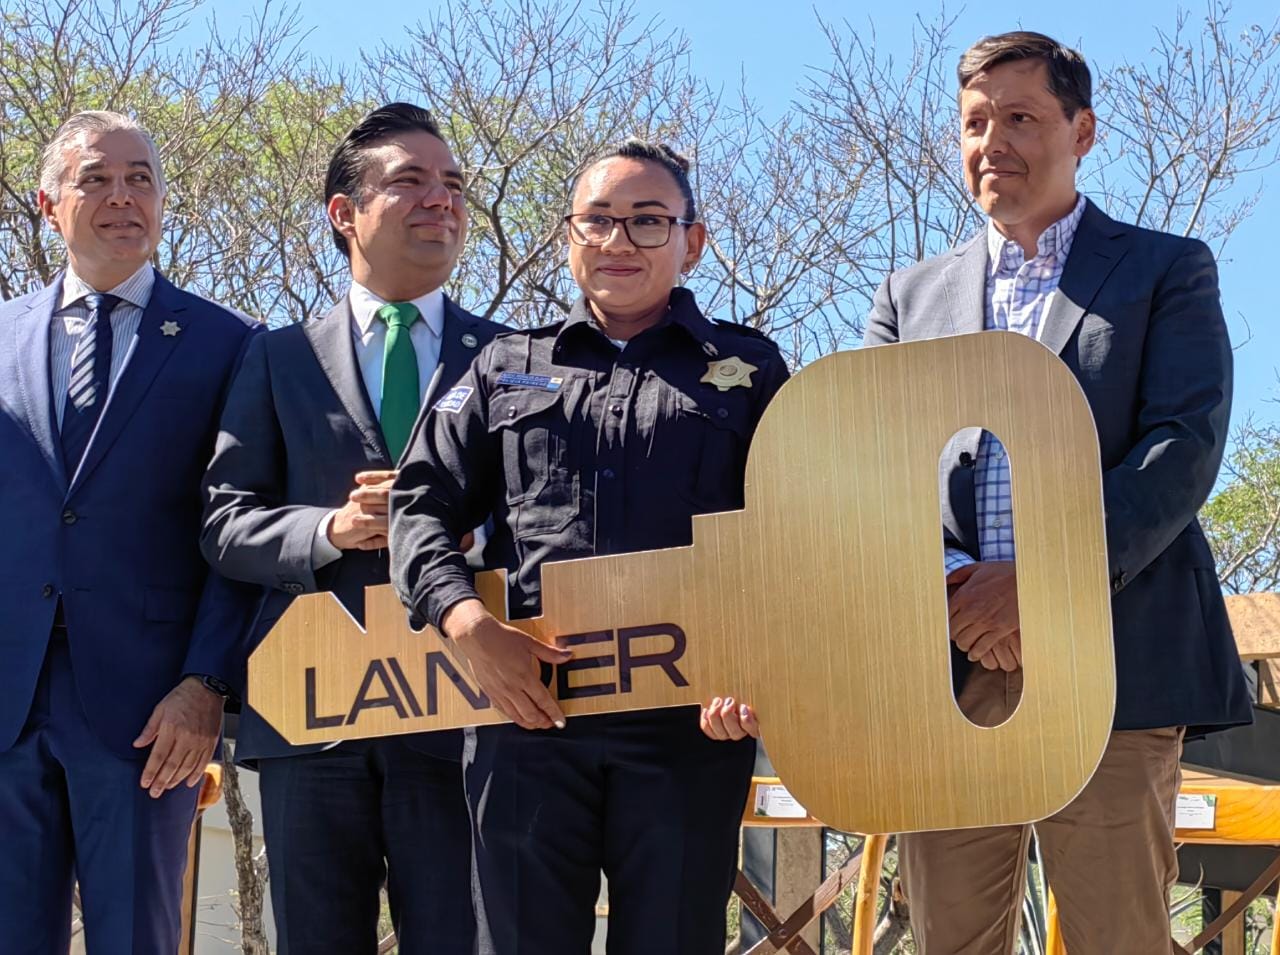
pixel 214 685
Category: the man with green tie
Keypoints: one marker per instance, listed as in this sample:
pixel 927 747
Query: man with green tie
pixel 314 428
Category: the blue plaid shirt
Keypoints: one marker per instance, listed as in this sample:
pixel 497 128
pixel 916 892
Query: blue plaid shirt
pixel 1018 296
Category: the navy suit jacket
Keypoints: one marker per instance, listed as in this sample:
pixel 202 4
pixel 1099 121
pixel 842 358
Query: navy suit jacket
pixel 121 543
pixel 1137 319
pixel 297 428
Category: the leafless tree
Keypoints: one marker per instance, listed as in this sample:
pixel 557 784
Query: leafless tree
pixel 251 862
pixel 780 222
pixel 245 126
pixel 531 92
pixel 528 93
pixel 1186 128
pixel 276 258
pixel 895 122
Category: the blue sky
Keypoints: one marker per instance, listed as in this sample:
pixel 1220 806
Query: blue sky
pixel 775 44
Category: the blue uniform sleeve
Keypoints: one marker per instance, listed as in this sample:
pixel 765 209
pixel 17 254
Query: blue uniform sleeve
pixel 446 486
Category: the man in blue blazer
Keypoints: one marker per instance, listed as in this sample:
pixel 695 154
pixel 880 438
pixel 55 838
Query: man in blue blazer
pixel 315 425
pixel 117 645
pixel 1135 315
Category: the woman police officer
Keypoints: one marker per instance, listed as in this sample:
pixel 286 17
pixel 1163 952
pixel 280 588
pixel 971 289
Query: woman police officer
pixel 599 434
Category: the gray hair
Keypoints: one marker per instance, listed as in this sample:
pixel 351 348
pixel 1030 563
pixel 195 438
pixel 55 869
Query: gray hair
pixel 53 161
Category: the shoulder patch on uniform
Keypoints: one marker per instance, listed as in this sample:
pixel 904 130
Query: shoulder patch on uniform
pixel 454 400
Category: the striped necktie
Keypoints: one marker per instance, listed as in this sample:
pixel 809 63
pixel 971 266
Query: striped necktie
pixel 90 379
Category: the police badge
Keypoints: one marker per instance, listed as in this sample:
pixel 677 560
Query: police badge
pixel 729 373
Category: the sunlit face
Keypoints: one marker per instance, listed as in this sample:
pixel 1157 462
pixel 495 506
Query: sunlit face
pixel 1020 150
pixel 109 206
pixel 411 221
pixel 618 279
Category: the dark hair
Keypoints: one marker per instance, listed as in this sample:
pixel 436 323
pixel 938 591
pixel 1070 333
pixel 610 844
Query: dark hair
pixel 1069 77
pixel 664 156
pixel 350 159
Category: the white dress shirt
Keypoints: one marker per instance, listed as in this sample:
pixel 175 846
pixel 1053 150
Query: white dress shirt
pixel 369 334
pixel 72 315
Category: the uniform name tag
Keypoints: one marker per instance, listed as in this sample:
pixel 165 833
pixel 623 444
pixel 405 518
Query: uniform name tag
pixel 541 382
pixel 454 400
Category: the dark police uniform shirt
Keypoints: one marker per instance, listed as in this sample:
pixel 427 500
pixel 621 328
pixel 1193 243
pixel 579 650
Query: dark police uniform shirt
pixel 578 448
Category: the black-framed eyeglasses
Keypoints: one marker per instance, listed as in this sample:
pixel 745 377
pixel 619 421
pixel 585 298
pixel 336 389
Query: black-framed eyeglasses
pixel 646 231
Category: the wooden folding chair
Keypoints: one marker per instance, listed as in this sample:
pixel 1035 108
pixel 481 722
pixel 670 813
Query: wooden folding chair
pixel 210 793
pixel 785 934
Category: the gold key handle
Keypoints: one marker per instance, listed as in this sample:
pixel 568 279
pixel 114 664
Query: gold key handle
pixel 822 603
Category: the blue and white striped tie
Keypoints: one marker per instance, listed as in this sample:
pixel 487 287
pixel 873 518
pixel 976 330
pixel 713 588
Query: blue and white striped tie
pixel 90 379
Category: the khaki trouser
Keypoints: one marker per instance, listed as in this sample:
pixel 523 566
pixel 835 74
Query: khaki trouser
pixel 1108 856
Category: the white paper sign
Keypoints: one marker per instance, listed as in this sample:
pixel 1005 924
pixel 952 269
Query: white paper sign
pixel 775 802
pixel 1196 811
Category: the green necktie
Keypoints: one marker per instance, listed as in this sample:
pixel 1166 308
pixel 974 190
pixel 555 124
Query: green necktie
pixel 399 407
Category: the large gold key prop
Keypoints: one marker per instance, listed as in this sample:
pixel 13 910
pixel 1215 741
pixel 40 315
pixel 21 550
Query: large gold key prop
pixel 822 602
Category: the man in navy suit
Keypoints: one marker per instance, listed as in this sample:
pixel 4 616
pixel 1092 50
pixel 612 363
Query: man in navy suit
pixel 117 645
pixel 1135 315
pixel 315 425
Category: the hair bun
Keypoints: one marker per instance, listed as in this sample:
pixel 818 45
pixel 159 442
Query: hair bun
pixel 637 148
pixel 666 157
pixel 674 156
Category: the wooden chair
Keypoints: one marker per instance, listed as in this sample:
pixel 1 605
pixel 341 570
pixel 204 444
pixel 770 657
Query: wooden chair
pixel 210 793
pixel 1247 808
pixel 1246 813
pixel 784 934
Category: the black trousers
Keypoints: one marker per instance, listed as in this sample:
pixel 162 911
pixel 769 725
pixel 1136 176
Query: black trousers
pixel 643 796
pixel 340 822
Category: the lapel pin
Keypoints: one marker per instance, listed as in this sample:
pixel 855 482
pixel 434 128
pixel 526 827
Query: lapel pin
pixel 470 340
pixel 170 329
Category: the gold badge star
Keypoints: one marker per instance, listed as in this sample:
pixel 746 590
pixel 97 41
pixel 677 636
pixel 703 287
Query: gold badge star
pixel 729 373
pixel 170 329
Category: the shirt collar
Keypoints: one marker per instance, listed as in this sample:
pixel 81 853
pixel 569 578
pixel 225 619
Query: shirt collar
pixel 365 305
pixel 682 312
pixel 1054 243
pixel 136 289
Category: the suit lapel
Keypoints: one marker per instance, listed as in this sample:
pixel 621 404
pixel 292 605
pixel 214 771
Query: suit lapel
pixel 460 342
pixel 965 281
pixel 955 474
pixel 1099 245
pixel 439 377
pixel 331 341
pixel 31 349
pixel 151 349
pixel 458 348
